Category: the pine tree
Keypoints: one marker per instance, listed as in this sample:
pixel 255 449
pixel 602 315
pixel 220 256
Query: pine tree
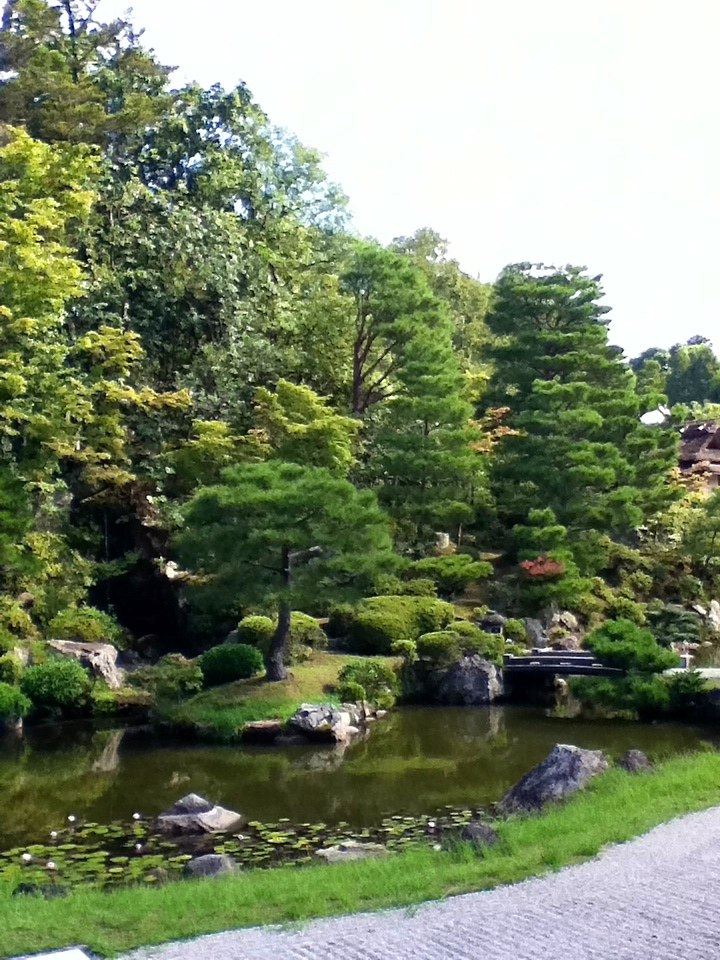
pixel 575 443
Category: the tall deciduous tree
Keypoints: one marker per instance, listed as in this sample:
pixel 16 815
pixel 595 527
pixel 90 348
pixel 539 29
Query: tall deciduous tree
pixel 280 535
pixel 577 444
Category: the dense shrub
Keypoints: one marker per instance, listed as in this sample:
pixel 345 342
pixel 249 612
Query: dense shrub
pixel 407 649
pixel 622 608
pixel 452 574
pixel 670 624
pixel 648 696
pixel 351 692
pixel 377 679
pixel 14 705
pixel 256 631
pixel 340 620
pixel 515 630
pixel 171 678
pixel 489 646
pixel 623 644
pixel 86 624
pixel 394 587
pixel 440 646
pixel 229 662
pixel 58 685
pixel 684 690
pixel 11 669
pixel 379 622
pixel 306 631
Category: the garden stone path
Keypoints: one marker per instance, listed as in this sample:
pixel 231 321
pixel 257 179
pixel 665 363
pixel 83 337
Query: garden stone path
pixel 654 898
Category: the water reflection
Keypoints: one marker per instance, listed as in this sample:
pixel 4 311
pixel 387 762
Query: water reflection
pixel 414 761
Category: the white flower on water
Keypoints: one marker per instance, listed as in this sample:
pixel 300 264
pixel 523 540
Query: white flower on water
pixel 431 824
pixel 71 818
pixel 437 846
pixel 50 865
pixel 138 847
pixel 53 834
pixel 26 858
pixel 137 816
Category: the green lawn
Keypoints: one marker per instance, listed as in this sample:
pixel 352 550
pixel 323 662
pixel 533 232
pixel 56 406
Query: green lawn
pixel 616 808
pixel 222 712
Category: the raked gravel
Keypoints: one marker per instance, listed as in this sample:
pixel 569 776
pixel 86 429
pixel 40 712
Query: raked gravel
pixel 654 898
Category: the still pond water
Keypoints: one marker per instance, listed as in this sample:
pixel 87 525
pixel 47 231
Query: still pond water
pixel 415 761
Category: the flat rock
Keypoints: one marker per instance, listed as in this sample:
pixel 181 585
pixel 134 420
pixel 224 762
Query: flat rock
pixel 352 850
pixel 262 731
pixel 321 722
pixel 564 771
pixel 211 865
pixel 195 814
pixel 635 761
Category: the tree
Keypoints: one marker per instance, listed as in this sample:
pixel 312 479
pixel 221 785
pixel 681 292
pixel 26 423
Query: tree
pixel 392 303
pixel 575 443
pixel 282 536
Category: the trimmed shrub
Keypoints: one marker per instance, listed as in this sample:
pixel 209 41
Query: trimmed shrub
pixel 407 649
pixel 622 608
pixel 515 630
pixel 441 646
pixel 86 624
pixel 171 678
pixel 256 631
pixel 229 662
pixel 670 624
pixel 489 646
pixel 377 679
pixel 452 574
pixel 11 669
pixel 14 705
pixel 58 685
pixel 394 587
pixel 306 631
pixel 351 692
pixel 623 644
pixel 340 620
pixel 379 622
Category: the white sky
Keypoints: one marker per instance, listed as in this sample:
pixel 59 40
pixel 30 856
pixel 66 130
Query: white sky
pixel 581 131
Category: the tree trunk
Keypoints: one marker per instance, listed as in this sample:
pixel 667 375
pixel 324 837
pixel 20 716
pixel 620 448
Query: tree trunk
pixel 275 668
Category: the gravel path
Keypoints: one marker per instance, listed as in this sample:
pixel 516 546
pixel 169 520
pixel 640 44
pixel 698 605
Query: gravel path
pixel 655 898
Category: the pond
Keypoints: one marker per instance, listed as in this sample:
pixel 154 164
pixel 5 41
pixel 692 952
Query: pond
pixel 414 762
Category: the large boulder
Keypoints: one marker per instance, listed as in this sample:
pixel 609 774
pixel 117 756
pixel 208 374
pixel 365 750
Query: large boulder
pixel 713 616
pixel 211 865
pixel 322 722
pixel 479 834
pixel 536 632
pixel 100 659
pixel 564 771
pixel 194 814
pixel 469 682
pixel 352 850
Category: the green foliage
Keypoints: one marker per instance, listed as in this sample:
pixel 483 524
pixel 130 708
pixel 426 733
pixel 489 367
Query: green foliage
pixel 440 647
pixel 623 644
pixel 229 662
pixel 86 624
pixel 650 697
pixel 351 692
pixel 393 586
pixel 14 705
pixel 622 608
pixel 379 622
pixel 452 574
pixel 407 649
pixel 307 631
pixel 376 678
pixel 515 630
pixel 473 640
pixel 11 669
pixel 671 624
pixel 171 678
pixel 56 686
pixel 256 631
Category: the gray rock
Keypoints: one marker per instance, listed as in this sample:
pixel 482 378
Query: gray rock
pixel 321 722
pixel 211 865
pixel 535 631
pixel 195 814
pixel 99 659
pixel 564 771
pixel 469 682
pixel 479 834
pixel 714 615
pixel 564 619
pixel 635 761
pixel 233 637
pixel 352 850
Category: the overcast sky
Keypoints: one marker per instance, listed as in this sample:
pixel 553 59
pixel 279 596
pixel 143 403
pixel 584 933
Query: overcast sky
pixel 581 131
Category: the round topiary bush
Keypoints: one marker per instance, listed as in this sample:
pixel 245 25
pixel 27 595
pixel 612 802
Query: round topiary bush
pixel 515 630
pixel 306 631
pixel 440 646
pixel 229 662
pixel 380 622
pixel 86 624
pixel 351 692
pixel 14 705
pixel 377 679
pixel 256 631
pixel 56 685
